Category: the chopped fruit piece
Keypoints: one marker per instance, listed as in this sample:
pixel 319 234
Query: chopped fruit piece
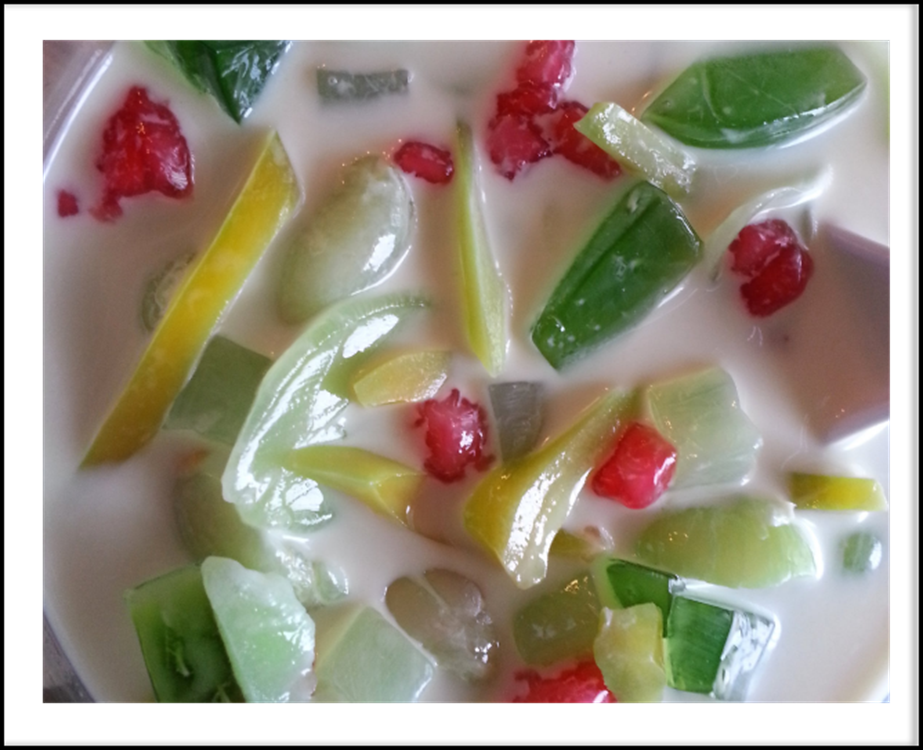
pixel 343 86
pixel 386 486
pixel 861 552
pixel 445 612
pixel 351 241
pixel 744 543
pixel 143 151
pixel 574 146
pixel 518 508
pixel 67 204
pixel 365 659
pixel 549 62
pixel 581 684
pixel 639 148
pixel 780 283
pixel 624 584
pixel 560 624
pixel 629 652
pixel 426 162
pixel 262 207
pixel 456 435
pixel 528 99
pixel 639 470
pixel 822 492
pixel 518 411
pixel 414 376
pixel 513 142
pixel 757 244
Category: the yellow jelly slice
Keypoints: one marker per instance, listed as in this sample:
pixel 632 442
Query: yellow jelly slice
pixel 261 208
pixel 414 376
pixel 518 508
pixel 821 492
pixel 629 653
pixel 386 486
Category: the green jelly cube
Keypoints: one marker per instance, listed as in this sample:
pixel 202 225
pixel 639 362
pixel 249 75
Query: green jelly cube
pixel 861 552
pixel 180 642
pixel 368 660
pixel 560 624
pixel 216 400
pixel 626 584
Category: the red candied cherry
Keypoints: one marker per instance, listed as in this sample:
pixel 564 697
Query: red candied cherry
pixel 426 162
pixel 67 203
pixel 143 151
pixel 528 99
pixel 639 470
pixel 781 281
pixel 757 244
pixel 547 62
pixel 575 146
pixel 513 142
pixel 456 435
pixel 582 684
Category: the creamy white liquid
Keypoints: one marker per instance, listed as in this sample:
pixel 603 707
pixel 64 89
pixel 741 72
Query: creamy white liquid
pixel 109 529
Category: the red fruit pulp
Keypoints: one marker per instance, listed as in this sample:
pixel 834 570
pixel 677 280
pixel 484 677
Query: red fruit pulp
pixel 527 99
pixel 582 684
pixel 143 151
pixel 67 203
pixel 547 62
pixel 426 162
pixel 757 244
pixel 639 470
pixel 781 281
pixel 456 435
pixel 513 142
pixel 575 146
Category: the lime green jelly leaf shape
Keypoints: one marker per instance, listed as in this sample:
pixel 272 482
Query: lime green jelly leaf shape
pixel 297 405
pixel 756 99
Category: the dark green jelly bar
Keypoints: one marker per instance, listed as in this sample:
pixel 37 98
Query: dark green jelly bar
pixel 343 86
pixel 633 584
pixel 638 254
pixel 216 400
pixel 234 72
pixel 696 633
pixel 180 642
pixel 756 99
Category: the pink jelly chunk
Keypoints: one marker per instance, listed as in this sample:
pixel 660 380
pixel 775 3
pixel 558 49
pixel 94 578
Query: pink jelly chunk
pixel 514 142
pixel 456 435
pixel 781 281
pixel 576 147
pixel 582 684
pixel 528 99
pixel 639 470
pixel 67 204
pixel 426 162
pixel 757 244
pixel 547 62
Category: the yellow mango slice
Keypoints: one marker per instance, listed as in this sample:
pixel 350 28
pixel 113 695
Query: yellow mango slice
pixel 413 376
pixel 822 492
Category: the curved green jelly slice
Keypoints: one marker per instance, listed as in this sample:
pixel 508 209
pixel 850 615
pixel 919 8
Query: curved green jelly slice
pixel 268 635
pixel 638 254
pixel 182 648
pixel 629 653
pixel 518 508
pixel 352 241
pixel 756 99
pixel 297 405
pixel 743 543
pixel 343 86
pixel 234 72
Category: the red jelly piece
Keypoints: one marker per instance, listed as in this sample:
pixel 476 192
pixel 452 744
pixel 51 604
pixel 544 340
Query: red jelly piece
pixel 639 470
pixel 547 62
pixel 575 146
pixel 456 435
pixel 757 244
pixel 781 281
pixel 67 203
pixel 513 142
pixel 528 99
pixel 426 162
pixel 582 684
pixel 143 151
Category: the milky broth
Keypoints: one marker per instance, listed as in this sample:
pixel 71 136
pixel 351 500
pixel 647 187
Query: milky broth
pixel 110 528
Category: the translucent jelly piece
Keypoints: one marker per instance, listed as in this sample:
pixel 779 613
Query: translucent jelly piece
pixel 696 634
pixel 629 652
pixel 341 85
pixel 750 635
pixel 861 552
pixel 182 648
pixel 584 544
pixel 368 660
pixel 700 415
pixel 518 507
pixel 316 583
pixel 354 239
pixel 159 289
pixel 297 405
pixel 624 584
pixel 408 377
pixel 745 542
pixel 822 492
pixel 518 411
pixel 445 612
pixel 216 400
pixel 268 635
pixel 560 624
